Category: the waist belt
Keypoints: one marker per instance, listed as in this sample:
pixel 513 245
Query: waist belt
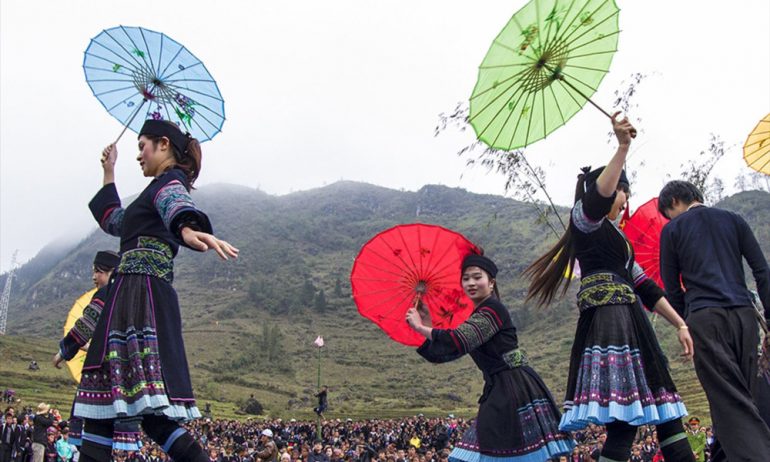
pixel 600 289
pixel 516 358
pixel 152 256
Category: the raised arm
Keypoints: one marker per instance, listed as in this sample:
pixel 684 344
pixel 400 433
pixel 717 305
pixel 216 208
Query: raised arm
pixel 608 179
pixel 109 158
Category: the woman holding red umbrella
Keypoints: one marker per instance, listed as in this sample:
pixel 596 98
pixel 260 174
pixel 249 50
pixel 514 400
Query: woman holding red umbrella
pixel 517 419
pixel 618 374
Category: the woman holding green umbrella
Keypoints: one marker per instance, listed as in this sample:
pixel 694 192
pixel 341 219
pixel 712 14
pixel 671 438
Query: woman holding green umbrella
pixel 618 374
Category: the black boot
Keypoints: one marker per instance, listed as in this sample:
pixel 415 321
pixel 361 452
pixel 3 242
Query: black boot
pixel 186 449
pixel 92 452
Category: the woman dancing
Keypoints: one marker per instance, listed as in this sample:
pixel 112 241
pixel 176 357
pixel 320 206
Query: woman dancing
pixel 517 419
pixel 136 368
pixel 618 374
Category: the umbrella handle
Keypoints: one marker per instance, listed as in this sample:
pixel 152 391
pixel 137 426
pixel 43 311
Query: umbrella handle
pixel 417 300
pixel 133 116
pixel 561 77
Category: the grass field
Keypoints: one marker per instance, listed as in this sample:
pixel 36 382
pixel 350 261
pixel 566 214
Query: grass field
pixel 368 378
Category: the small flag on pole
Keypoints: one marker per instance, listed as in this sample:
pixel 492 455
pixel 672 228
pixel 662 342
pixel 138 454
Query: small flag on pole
pixel 319 342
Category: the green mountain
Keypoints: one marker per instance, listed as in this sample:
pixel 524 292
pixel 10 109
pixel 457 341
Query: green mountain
pixel 249 324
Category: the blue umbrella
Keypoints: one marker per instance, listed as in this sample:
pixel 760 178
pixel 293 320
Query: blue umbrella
pixel 135 71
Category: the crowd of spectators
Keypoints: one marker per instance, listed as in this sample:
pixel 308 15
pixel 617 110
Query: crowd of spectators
pixel 411 439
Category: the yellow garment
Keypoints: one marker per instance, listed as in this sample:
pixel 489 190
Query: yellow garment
pixel 76 364
pixel 415 442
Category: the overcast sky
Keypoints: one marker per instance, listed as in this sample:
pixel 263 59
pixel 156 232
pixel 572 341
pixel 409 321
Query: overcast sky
pixel 318 91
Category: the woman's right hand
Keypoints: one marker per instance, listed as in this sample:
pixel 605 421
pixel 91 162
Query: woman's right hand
pixel 686 341
pixel 57 360
pixel 109 157
pixel 623 129
pixel 413 318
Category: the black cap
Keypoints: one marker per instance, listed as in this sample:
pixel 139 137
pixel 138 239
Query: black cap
pixel 164 128
pixel 106 260
pixel 482 262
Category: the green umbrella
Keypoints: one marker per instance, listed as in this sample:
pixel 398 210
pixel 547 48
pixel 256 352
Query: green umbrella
pixel 541 69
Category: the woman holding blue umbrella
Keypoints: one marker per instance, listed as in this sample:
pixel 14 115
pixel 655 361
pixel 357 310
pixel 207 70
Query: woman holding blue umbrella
pixel 136 368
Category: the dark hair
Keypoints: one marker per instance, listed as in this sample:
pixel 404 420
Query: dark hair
pixel 683 191
pixel 189 160
pixel 554 269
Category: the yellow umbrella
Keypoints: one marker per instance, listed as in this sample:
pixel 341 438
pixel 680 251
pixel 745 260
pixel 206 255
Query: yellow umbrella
pixel 756 151
pixel 76 364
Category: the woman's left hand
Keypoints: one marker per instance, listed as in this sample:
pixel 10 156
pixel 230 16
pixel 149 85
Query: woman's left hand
pixel 201 241
pixel 686 341
pixel 413 318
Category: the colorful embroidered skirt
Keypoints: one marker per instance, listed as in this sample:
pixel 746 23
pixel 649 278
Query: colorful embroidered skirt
pixel 517 422
pixel 136 364
pixel 618 371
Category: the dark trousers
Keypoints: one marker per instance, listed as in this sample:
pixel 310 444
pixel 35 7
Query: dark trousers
pixel 726 342
pixel 172 438
pixel 5 452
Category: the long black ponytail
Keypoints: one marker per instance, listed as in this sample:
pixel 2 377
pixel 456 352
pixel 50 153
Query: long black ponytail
pixel 553 270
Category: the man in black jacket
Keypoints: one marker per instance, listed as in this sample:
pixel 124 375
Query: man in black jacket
pixel 9 438
pixel 704 248
pixel 41 421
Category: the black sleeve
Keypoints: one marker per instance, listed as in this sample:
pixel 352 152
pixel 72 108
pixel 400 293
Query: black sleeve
pixel 670 271
pixel 650 293
pixel 106 209
pixel 596 206
pixel 752 252
pixel 176 207
pixel 440 349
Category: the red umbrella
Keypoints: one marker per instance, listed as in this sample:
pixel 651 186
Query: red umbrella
pixel 405 264
pixel 643 231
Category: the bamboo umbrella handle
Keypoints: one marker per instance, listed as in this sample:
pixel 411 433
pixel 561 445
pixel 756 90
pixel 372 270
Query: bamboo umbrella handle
pixel 133 116
pixel 561 78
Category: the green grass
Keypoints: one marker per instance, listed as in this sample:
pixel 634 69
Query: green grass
pixel 315 236
pixel 369 375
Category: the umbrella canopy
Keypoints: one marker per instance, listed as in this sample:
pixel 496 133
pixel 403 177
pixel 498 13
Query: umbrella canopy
pixel 407 263
pixel 541 69
pixel 756 150
pixel 134 71
pixel 75 365
pixel 643 232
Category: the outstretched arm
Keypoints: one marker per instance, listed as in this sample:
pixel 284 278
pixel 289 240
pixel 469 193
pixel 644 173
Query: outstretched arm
pixel 201 241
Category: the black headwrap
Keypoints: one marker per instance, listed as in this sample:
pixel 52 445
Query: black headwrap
pixel 106 260
pixel 163 128
pixel 482 262
pixel 592 175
